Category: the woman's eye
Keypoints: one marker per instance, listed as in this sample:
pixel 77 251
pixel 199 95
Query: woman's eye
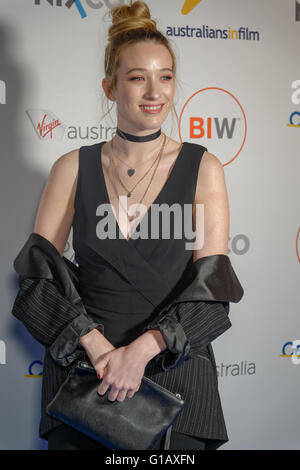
pixel 168 77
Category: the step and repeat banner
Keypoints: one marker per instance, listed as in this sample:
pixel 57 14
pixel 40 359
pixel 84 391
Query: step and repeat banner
pixel 238 94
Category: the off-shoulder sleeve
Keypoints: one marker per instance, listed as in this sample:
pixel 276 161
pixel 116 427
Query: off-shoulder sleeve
pixel 48 303
pixel 199 313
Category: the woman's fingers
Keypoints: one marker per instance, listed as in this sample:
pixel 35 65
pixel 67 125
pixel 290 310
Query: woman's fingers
pixel 114 392
pixel 118 376
pixel 103 387
pixel 122 395
pixel 130 393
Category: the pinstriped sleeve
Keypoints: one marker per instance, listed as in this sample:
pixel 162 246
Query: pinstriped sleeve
pixel 51 319
pixel 48 303
pixel 199 313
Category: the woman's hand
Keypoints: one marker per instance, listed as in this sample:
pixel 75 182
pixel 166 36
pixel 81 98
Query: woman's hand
pixel 121 371
pixel 95 345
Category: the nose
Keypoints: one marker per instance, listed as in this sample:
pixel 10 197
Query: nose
pixel 153 89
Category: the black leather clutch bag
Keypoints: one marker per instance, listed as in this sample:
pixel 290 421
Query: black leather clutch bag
pixel 134 424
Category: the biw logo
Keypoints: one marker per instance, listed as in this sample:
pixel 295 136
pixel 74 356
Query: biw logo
pixel 214 118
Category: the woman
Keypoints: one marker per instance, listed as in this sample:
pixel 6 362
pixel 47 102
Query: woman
pixel 145 167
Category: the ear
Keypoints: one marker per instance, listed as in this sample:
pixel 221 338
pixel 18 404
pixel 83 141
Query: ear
pixel 106 85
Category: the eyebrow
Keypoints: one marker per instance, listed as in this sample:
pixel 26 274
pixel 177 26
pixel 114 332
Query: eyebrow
pixel 145 70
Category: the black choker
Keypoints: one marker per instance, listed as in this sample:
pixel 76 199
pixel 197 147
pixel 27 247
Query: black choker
pixel 138 138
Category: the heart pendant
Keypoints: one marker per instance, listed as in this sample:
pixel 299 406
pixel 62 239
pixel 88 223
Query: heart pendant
pixel 131 171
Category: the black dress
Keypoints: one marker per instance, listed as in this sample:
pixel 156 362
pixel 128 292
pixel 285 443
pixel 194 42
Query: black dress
pixel 124 282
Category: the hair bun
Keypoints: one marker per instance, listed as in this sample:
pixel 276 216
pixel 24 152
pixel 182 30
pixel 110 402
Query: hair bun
pixel 125 18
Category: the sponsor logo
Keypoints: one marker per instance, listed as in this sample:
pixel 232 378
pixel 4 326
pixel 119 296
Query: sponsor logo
pixel 2 352
pixel 80 5
pixel 2 92
pixel 189 5
pixel 206 32
pixel 35 369
pixel 224 135
pixel 294 120
pixel 239 244
pixel 292 349
pixel 46 125
pixel 238 368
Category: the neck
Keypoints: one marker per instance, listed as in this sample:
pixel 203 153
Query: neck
pixel 136 152
pixel 138 138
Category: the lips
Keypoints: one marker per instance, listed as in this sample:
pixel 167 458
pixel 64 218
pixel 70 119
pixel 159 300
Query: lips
pixel 151 109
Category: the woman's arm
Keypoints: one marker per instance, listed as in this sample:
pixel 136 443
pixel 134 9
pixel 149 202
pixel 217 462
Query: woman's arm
pixel 211 191
pixel 56 209
pixel 43 309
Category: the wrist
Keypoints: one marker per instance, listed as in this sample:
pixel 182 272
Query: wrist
pixel 86 340
pixel 95 345
pixel 149 344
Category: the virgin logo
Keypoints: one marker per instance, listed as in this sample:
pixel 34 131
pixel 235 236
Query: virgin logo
pixel 46 124
pixel 44 129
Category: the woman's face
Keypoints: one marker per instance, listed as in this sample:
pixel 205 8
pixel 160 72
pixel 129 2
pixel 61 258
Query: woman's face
pixel 136 88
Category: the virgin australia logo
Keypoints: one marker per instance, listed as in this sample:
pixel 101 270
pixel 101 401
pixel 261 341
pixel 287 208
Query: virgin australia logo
pixel 46 125
pixel 165 222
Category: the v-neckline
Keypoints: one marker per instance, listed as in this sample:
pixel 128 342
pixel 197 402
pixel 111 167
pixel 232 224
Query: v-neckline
pixel 130 239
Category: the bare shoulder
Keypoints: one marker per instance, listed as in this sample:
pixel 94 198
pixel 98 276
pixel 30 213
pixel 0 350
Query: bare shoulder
pixel 210 163
pixel 211 176
pixel 67 163
pixel 64 172
pixel 56 209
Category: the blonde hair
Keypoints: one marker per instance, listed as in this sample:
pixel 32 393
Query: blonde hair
pixel 130 25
